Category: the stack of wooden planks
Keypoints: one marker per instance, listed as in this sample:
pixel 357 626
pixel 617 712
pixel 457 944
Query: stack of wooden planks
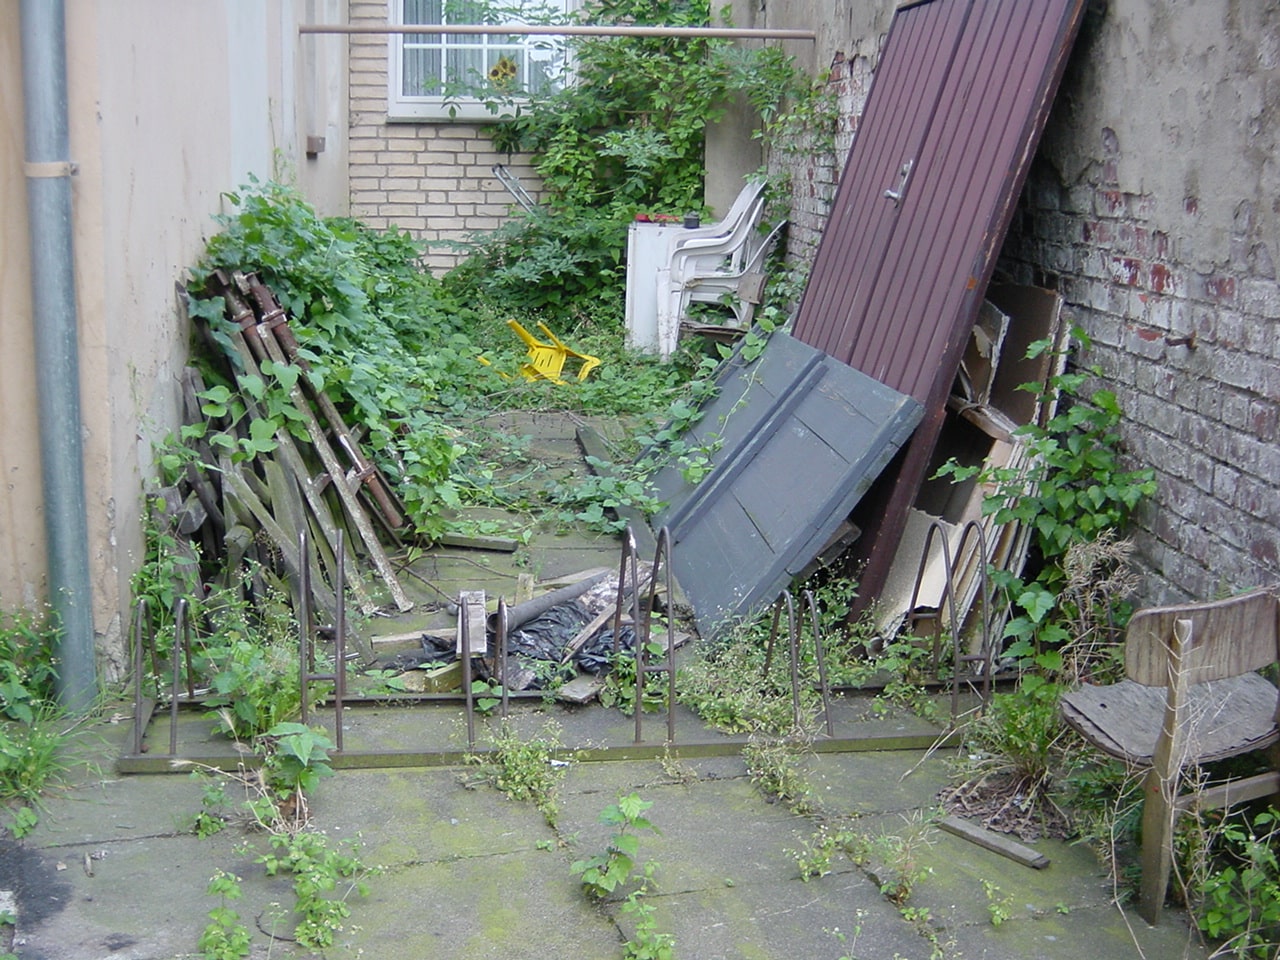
pixel 249 486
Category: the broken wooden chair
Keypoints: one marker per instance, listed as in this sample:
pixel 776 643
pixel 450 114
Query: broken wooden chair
pixel 1192 695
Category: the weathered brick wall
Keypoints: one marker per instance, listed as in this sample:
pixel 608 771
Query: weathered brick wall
pixel 814 169
pixel 1151 207
pixel 434 180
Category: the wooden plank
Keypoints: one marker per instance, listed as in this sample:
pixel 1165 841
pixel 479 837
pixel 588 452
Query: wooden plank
pixel 311 491
pixel 235 487
pixel 476 542
pixel 1232 792
pixel 995 842
pixel 585 634
pixel 349 499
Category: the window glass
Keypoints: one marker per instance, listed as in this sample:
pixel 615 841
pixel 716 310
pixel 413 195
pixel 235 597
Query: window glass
pixel 439 75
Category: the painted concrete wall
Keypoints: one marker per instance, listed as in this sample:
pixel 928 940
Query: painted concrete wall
pixel 159 130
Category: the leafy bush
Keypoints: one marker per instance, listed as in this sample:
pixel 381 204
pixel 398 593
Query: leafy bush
pixel 28 664
pixel 626 136
pixel 1079 489
pixel 365 315
pixel 1238 900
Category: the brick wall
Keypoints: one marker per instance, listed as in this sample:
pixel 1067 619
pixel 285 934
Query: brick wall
pixel 814 169
pixel 434 180
pixel 1150 207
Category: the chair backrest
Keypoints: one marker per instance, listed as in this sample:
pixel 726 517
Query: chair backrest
pixel 1228 638
pixel 740 209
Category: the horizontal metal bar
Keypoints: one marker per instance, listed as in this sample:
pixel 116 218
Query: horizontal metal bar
pixel 561 30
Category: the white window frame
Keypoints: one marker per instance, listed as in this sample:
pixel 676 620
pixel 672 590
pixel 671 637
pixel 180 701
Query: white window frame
pixel 408 107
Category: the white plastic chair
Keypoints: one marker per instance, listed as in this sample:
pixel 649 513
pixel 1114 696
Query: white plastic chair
pixel 739 289
pixel 714 253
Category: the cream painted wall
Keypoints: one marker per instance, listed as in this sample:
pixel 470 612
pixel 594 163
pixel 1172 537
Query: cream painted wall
pixel 160 128
pixel 21 523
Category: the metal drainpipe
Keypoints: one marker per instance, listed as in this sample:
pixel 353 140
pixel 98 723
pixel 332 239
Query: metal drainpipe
pixel 48 172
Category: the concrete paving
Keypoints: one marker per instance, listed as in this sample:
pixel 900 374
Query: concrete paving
pixel 114 871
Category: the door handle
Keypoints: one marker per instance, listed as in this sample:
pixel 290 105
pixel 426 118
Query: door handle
pixel 897 195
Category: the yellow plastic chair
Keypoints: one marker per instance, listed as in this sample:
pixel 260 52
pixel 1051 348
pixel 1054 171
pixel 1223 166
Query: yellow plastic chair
pixel 547 360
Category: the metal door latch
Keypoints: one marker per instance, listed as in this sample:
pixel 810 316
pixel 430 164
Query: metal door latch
pixel 896 195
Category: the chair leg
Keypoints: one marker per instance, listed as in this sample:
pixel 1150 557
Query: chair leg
pixel 1158 813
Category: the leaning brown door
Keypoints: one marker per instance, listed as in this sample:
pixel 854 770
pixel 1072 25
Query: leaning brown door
pixel 956 109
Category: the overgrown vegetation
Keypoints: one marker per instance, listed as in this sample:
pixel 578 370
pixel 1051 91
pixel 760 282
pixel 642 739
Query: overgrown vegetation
pixel 524 768
pixel 34 730
pixel 626 136
pixel 606 874
pixel 292 759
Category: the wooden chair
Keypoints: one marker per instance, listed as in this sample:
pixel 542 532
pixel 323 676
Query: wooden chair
pixel 1192 696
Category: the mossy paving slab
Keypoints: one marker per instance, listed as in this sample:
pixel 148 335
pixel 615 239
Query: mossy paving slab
pixel 787 920
pixel 499 907
pixel 855 784
pixel 1081 934
pixel 403 816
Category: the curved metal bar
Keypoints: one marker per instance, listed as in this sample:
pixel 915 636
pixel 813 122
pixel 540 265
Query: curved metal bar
pixel 306 651
pixel 935 528
pixel 464 626
pixel 180 629
pixel 339 638
pixel 141 616
pixel 794 647
pixel 820 652
pixel 773 636
pixel 985 656
pixel 629 552
pixel 662 557
pixel 503 617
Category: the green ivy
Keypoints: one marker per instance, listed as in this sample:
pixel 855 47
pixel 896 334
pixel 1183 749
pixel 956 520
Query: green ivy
pixel 1078 488
pixel 366 316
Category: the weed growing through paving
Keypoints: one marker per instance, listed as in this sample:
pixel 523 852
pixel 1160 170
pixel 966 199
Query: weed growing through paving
pixel 294 758
pixel 774 767
pixel 606 873
pixel 816 855
pixel 999 904
pixel 225 937
pixel 324 879
pixel 523 769
pixel 34 730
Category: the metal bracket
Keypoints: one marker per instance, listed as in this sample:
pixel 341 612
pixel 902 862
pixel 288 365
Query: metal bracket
pixel 897 195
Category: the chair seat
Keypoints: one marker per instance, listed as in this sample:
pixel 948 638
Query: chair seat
pixel 1228 717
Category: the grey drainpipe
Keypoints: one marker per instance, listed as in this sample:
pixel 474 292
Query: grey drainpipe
pixel 48 171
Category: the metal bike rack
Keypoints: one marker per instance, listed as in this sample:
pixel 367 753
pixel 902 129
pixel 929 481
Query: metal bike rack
pixel 306 633
pixel 787 602
pixel 644 626
pixel 984 658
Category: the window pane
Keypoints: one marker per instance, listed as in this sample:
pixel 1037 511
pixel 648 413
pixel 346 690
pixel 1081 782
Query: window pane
pixel 510 63
pixel 421 72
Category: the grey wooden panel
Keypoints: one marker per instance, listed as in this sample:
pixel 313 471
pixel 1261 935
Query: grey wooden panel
pixel 803 436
